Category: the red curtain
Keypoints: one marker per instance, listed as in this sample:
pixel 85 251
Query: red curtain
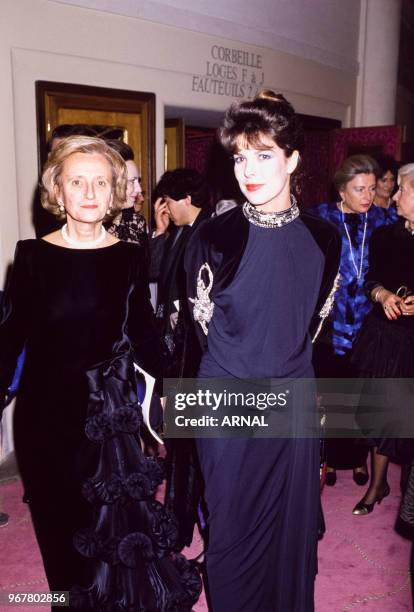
pixel 198 143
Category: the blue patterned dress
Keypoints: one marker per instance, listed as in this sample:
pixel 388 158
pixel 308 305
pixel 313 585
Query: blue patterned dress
pixel 351 304
pixel 351 307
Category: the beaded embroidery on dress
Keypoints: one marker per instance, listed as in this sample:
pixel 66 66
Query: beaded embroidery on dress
pixel 203 306
pixel 272 219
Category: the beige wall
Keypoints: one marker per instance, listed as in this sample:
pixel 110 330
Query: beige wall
pixel 319 30
pixel 41 40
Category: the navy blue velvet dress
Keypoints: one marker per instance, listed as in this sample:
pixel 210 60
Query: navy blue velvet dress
pixel 83 315
pixel 263 494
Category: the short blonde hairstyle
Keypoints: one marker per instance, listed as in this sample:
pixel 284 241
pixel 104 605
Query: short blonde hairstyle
pixel 52 173
pixel 407 170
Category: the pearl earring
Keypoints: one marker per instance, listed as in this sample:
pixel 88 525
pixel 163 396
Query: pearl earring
pixel 61 207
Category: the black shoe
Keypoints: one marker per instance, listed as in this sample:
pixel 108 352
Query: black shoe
pixel 321 523
pixel 4 519
pixel 330 478
pixel 361 478
pixel 362 509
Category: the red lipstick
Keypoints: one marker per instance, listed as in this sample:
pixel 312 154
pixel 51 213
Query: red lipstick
pixel 253 186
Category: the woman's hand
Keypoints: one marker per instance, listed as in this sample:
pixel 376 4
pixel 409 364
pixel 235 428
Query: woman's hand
pixel 407 306
pixel 161 216
pixel 390 303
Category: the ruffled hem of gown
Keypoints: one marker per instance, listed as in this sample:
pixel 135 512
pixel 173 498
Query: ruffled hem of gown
pixel 384 349
pixel 130 544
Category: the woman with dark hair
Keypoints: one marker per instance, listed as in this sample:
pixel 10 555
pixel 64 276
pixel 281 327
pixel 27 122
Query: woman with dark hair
pixel 260 281
pixel 387 179
pixel 78 301
pixel 129 225
pixel 356 219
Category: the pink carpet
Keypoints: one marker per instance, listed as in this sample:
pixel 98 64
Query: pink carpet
pixel 363 563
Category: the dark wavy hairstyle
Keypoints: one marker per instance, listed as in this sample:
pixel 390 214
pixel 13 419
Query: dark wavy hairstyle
pixel 271 115
pixel 387 163
pixel 268 114
pixel 180 183
pixel 64 130
pixel 122 148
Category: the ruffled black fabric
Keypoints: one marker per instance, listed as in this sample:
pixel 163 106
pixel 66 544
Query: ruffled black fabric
pixel 130 544
pixel 384 349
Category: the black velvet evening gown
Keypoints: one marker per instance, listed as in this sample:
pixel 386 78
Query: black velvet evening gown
pixel 385 349
pixel 84 315
pixel 263 494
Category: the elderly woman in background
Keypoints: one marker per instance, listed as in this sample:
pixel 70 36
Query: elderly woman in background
pixel 129 224
pixel 356 218
pixel 385 346
pixel 78 300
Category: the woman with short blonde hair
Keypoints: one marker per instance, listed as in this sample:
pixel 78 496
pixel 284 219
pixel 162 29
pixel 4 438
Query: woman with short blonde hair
pixel 78 301
pixel 52 172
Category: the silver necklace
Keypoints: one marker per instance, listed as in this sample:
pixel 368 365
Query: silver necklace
pixel 361 261
pixel 78 244
pixel 271 219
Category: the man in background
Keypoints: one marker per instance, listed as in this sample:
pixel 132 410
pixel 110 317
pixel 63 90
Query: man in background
pixel 181 204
